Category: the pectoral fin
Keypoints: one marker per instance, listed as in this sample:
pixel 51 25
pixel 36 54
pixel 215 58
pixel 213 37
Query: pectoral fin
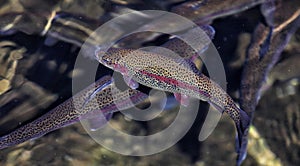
pixel 98 122
pixel 130 82
pixel 182 99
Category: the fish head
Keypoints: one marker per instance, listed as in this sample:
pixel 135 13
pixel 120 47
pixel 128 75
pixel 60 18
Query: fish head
pixel 114 58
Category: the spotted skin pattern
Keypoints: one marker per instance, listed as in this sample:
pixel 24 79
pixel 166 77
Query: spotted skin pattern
pixel 174 75
pixel 69 112
pixel 185 50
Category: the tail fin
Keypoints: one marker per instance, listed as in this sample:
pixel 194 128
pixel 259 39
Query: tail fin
pixel 242 137
pixel 2 143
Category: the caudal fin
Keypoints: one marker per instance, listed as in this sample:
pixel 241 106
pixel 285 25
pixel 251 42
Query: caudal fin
pixel 242 137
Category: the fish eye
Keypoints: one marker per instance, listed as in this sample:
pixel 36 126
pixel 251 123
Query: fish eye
pixel 107 60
